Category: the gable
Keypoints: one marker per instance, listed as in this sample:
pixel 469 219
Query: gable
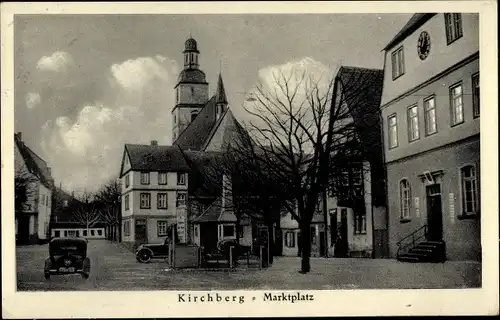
pixel 125 166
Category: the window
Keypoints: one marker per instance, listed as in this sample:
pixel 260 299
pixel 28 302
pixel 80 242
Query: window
pixel 475 95
pixel 144 177
pixel 127 180
pixel 430 115
pixel 162 228
pixel 162 178
pixel 126 228
pixel 177 97
pixel 398 63
pixel 181 178
pixel 99 232
pixel 65 203
pixel 77 233
pixel 71 233
pixel 469 190
pixel 404 194
pixel 92 232
pixel 162 201
pixel 290 239
pixel 393 131
pixel 357 174
pixel 360 223
pixel 333 225
pixel 181 199
pixel 57 234
pixel 456 103
pixel 65 233
pixel 313 235
pixel 345 177
pixel 228 231
pixel 453 22
pixel 84 233
pixel 193 115
pixel 127 202
pixel 191 58
pixel 186 59
pixel 145 201
pixel 413 132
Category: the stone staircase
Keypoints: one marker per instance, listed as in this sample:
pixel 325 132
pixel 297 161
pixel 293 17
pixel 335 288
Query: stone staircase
pixel 425 251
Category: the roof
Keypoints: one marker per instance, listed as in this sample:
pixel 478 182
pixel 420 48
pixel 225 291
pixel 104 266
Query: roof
pixel 191 75
pixel 215 213
pixel 362 89
pixel 413 24
pixel 156 158
pixel 34 163
pixel 198 131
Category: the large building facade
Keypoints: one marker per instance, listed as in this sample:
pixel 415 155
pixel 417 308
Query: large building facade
pixel 431 115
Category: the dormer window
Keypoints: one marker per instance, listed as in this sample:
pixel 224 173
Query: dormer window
pixel 453 22
pixel 398 64
pixel 193 115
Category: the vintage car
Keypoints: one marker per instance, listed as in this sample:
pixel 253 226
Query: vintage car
pixel 67 256
pixel 146 252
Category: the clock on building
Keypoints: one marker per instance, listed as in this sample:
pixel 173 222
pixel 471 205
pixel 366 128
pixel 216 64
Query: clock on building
pixel 424 45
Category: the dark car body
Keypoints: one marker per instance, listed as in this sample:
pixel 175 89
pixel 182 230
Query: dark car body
pixel 146 252
pixel 67 256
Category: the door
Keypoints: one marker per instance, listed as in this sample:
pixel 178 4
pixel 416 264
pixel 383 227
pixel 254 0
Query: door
pixel 434 213
pixel 141 235
pixel 341 244
pixel 322 243
pixel 23 233
pixel 209 236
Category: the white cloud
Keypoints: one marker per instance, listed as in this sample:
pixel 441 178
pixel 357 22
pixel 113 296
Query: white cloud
pixel 32 99
pixel 58 61
pixel 134 74
pixel 86 152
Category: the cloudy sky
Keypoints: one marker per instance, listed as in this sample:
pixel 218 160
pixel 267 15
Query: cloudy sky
pixel 87 84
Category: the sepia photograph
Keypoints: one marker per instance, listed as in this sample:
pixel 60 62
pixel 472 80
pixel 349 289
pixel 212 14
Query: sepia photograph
pixel 237 157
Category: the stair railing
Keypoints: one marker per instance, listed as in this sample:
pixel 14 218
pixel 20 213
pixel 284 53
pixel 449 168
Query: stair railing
pixel 411 240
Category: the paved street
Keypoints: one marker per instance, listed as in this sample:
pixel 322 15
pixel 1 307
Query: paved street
pixel 115 268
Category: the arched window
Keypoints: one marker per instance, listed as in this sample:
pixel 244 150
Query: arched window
pixel 469 189
pixel 405 196
pixel 290 239
pixel 193 115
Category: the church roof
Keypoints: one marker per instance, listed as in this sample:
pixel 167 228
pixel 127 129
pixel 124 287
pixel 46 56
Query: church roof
pixel 220 95
pixel 34 163
pixel 156 158
pixel 198 131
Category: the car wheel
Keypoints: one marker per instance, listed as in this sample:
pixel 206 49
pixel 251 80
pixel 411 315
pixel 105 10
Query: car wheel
pixel 144 256
pixel 46 275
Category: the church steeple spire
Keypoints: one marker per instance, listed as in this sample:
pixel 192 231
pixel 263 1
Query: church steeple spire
pixel 220 98
pixel 220 95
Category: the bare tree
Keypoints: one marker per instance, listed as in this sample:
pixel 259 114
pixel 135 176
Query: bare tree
pixel 304 127
pixel 88 212
pixel 24 190
pixel 109 198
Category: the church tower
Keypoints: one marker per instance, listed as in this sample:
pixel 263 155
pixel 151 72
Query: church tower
pixel 191 91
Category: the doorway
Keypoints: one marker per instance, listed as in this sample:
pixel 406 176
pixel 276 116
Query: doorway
pixel 23 233
pixel 341 245
pixel 209 236
pixel 434 213
pixel 141 235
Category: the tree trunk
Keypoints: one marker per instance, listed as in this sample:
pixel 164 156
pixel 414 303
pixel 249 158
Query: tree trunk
pixel 270 241
pixel 305 238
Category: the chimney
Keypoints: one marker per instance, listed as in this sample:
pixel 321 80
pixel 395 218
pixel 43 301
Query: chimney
pixel 154 143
